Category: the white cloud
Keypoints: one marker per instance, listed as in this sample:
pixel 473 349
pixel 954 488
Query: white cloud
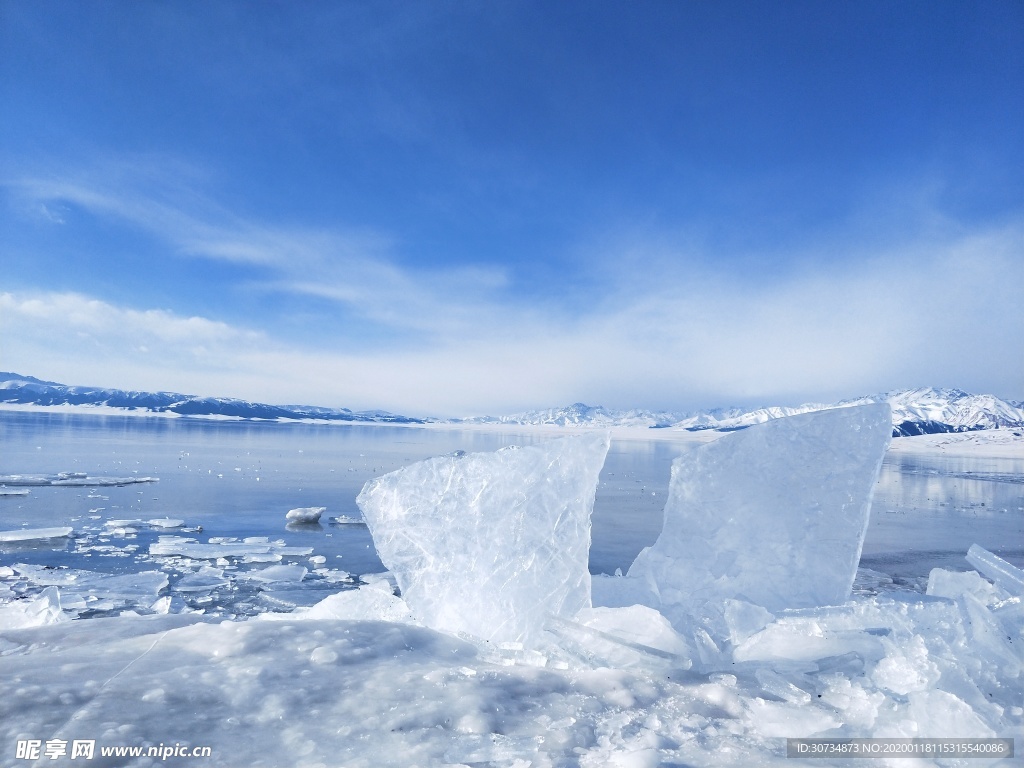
pixel 68 334
pixel 105 324
pixel 352 267
pixel 647 330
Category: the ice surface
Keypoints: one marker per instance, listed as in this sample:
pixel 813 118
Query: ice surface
pixel 35 534
pixel 81 590
pixel 276 573
pixel 343 685
pixel 489 544
pixel 774 515
pixel 1007 576
pixel 371 602
pixel 305 514
pixel 203 580
pixel 188 547
pixel 77 479
pixel 353 681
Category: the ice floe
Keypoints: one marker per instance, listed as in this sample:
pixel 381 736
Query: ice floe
pixel 75 479
pixel 35 534
pixel 214 549
pixel 346 520
pixel 305 514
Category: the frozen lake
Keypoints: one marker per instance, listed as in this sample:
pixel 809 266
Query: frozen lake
pixel 238 479
pixel 354 681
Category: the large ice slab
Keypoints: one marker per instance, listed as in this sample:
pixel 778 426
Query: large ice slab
pixel 35 534
pixel 489 544
pixel 774 515
pixel 1007 576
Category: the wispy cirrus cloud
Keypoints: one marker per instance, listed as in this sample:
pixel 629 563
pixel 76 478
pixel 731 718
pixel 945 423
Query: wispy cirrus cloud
pixel 352 267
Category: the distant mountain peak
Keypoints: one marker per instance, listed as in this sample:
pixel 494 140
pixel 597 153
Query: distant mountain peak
pixel 921 410
pixel 915 411
pixel 16 389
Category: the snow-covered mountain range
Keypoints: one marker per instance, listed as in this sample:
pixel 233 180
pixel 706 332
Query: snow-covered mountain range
pixel 915 411
pixel 926 410
pixel 16 389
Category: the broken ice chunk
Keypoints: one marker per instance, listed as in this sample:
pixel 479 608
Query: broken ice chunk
pixel 1007 576
pixel 36 612
pixel 305 514
pixel 276 573
pixel 35 534
pixel 219 548
pixel 128 587
pixel 489 544
pixel 744 619
pixel 952 584
pixel 262 557
pixel 776 685
pixel 635 636
pixel 774 515
pixel 206 578
pixel 166 522
pixel 77 585
pixel 368 603
pixel 992 638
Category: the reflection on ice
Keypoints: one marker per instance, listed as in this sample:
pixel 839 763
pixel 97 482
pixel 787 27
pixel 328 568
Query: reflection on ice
pixel 308 527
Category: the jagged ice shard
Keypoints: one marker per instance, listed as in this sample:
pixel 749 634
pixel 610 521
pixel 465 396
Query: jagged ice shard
pixel 490 544
pixel 774 515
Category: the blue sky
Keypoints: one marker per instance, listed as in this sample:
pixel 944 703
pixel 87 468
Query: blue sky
pixel 459 208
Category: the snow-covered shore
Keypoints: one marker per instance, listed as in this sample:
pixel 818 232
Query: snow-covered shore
pixel 310 690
